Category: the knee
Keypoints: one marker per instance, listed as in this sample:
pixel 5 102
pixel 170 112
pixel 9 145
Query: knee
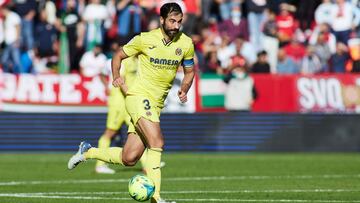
pixel 129 160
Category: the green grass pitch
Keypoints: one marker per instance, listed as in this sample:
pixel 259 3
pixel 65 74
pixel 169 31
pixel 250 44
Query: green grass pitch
pixel 188 177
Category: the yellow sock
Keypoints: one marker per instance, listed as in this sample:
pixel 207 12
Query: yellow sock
pixel 143 159
pixel 110 155
pixel 104 142
pixel 153 168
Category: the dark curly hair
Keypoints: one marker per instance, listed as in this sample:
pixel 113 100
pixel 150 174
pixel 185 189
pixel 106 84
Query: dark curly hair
pixel 168 8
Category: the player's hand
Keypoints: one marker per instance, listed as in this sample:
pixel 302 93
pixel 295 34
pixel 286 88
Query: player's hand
pixel 182 96
pixel 118 82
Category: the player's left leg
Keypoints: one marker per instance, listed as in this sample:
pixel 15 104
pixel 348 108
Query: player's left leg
pixel 109 155
pixel 103 143
pixel 115 118
pixel 133 149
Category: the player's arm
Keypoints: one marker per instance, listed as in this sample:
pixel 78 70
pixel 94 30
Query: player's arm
pixel 132 48
pixel 189 73
pixel 186 83
pixel 115 68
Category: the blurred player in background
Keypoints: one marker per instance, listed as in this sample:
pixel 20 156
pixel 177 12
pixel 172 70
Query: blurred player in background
pixel 117 113
pixel 160 52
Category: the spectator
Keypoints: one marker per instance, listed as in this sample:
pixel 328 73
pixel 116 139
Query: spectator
pixel 339 60
pixel 71 24
pixel 235 26
pixel 205 10
pixel 261 65
pixel 10 58
pixel 50 9
pixel 344 18
pixel 212 64
pixel 244 48
pixel 326 37
pixel 193 13
pixel 323 50
pixel 240 92
pixel 323 12
pixel 208 39
pixel 286 23
pixel 46 42
pixel 305 13
pixel 94 16
pixel 224 52
pixel 227 5
pixel 310 64
pixel 295 50
pixel 46 36
pixel 92 62
pixel 286 65
pixel 270 40
pixel 129 20
pixel 256 18
pixel 27 11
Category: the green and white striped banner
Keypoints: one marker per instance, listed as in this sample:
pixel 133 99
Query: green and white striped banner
pixel 211 90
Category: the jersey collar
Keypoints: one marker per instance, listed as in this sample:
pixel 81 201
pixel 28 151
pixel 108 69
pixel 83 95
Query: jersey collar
pixel 163 38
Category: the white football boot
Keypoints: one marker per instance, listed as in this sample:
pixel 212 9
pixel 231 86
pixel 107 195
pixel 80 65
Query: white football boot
pixel 79 156
pixel 104 169
pixel 161 201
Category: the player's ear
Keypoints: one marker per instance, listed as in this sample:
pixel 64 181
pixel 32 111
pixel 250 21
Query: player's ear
pixel 162 20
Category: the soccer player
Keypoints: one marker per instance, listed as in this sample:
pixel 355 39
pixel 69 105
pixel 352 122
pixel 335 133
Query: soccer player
pixel 160 52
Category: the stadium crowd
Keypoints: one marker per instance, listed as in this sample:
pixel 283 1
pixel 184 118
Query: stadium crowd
pixel 261 36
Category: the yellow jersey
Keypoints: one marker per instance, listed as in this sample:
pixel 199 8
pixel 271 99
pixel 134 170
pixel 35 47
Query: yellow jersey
pixel 158 63
pixel 128 69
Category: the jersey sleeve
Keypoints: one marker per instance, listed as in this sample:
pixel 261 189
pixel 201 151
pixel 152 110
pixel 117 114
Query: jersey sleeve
pixel 189 57
pixel 134 46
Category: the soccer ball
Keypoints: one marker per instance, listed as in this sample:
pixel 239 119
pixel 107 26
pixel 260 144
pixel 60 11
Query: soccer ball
pixel 141 188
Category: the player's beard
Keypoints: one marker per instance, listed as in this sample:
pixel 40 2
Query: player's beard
pixel 170 33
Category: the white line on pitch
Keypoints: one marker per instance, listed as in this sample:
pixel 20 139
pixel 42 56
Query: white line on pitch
pixel 200 192
pixel 212 178
pixel 20 195
pixel 268 200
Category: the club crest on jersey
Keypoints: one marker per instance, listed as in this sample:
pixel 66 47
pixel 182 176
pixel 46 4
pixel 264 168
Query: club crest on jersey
pixel 178 51
pixel 148 113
